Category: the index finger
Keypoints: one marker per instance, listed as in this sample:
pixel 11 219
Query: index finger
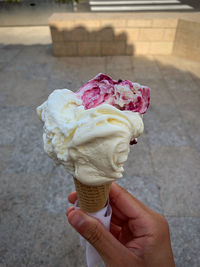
pixel 72 197
pixel 126 203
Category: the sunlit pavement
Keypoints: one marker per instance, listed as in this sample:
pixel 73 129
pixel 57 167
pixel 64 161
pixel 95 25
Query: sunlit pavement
pixel 162 169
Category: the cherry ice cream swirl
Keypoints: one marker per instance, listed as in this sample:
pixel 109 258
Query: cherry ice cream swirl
pixel 122 94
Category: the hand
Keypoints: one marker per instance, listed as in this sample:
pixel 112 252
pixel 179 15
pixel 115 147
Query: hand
pixel 138 235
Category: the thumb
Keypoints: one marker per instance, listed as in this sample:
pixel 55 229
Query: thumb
pixel 98 236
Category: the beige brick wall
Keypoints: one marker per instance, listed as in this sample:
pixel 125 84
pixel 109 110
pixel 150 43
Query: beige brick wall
pixel 151 34
pixel 92 35
pixel 139 23
pixel 56 34
pixel 89 49
pixel 65 49
pixel 141 48
pixel 113 48
pixel 169 34
pixel 161 23
pixel 187 40
pixel 161 48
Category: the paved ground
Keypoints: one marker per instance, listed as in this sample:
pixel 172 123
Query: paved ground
pixel 162 170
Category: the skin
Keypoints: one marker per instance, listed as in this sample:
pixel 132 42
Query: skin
pixel 138 235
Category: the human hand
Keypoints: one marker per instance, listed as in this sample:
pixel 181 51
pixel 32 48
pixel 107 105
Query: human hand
pixel 138 235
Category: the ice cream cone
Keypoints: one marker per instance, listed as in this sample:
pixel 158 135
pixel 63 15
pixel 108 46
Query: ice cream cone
pixel 92 198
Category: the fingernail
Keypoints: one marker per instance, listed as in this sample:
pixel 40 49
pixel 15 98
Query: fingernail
pixel 76 220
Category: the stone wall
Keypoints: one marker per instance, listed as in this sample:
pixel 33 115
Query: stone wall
pixel 90 35
pixel 187 40
pixel 87 34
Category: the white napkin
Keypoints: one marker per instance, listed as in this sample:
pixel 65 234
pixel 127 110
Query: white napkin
pixel 104 216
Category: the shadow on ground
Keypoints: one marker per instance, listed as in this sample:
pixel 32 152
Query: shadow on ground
pixel 162 169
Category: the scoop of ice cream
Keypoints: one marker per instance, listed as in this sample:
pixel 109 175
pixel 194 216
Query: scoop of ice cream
pixel 123 94
pixel 91 142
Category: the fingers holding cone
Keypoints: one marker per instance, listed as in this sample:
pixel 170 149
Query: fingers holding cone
pixel 98 236
pixel 105 242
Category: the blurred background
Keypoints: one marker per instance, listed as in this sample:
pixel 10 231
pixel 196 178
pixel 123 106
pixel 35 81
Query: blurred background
pixel 45 45
pixel 37 12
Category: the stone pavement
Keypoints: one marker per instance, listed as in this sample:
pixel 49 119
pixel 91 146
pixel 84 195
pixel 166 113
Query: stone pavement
pixel 162 169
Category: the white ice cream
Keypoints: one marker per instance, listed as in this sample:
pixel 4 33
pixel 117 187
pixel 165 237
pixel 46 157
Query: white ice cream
pixel 92 144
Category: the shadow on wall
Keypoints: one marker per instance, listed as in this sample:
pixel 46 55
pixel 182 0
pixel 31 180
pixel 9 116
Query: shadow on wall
pixel 81 41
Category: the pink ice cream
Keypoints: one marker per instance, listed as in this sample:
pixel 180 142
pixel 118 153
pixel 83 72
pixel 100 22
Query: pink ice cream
pixel 123 94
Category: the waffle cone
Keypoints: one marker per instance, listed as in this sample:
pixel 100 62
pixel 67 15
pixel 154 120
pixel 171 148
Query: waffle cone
pixel 92 198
